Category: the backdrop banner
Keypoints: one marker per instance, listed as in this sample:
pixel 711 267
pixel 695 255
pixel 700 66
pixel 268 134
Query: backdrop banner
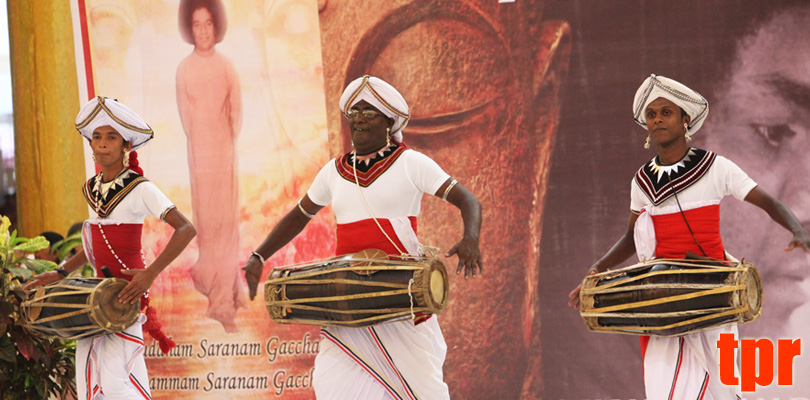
pixel 527 103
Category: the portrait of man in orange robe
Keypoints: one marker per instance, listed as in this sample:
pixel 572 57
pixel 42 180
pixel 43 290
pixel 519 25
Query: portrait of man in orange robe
pixel 210 105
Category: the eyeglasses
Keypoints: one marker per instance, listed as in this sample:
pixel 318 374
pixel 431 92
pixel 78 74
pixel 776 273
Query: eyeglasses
pixel 367 114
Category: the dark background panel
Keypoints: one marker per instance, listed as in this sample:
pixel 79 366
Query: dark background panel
pixel 616 45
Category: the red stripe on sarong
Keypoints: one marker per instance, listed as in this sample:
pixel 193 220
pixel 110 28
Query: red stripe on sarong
pixel 390 362
pixel 362 365
pixel 137 386
pixel 677 368
pixel 705 386
pixel 131 339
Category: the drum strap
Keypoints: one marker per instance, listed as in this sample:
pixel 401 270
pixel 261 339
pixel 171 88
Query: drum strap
pixel 675 194
pixel 362 197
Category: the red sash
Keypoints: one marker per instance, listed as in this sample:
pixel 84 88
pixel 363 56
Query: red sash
pixel 125 240
pixel 365 234
pixel 673 238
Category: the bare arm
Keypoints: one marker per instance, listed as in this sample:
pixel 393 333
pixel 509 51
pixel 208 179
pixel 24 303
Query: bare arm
pixel 142 279
pixel 624 248
pixel 782 215
pixel 469 254
pixel 286 230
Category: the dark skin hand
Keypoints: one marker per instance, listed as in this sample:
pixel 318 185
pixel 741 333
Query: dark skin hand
pixel 782 215
pixel 286 230
pixel 294 222
pixel 467 250
pixel 46 278
pixel 142 279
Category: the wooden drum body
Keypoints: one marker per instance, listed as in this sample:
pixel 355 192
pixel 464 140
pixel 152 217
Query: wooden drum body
pixel 669 297
pixel 79 308
pixel 356 291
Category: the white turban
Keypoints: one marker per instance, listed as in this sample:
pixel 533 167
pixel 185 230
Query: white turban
pixel 103 111
pixel 382 96
pixel 658 86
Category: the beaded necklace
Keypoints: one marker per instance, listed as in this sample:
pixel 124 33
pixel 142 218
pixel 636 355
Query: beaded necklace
pixel 97 189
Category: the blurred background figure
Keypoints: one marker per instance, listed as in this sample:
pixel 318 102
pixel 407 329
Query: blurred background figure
pixel 49 253
pixel 210 105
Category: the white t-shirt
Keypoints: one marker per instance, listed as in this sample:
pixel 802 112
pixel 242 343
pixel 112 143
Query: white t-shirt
pixel 722 179
pixel 145 199
pixel 395 193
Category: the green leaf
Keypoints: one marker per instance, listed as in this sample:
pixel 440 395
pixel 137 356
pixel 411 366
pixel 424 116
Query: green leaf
pixel 21 272
pixel 64 247
pixel 8 352
pixel 39 266
pixel 65 241
pixel 88 271
pixel 34 244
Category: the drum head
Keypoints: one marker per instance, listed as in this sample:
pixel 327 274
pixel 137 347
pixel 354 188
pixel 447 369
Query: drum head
pixel 109 313
pixel 752 293
pixel 437 285
pixel 34 310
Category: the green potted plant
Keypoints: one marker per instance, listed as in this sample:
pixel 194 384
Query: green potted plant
pixel 30 367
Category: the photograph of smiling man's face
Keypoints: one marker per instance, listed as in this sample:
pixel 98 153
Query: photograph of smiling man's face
pixel 761 121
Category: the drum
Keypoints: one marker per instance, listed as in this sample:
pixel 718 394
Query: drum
pixel 356 290
pixel 669 297
pixel 78 308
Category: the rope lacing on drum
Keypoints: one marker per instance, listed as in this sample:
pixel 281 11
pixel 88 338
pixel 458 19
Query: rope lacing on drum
pixel 410 295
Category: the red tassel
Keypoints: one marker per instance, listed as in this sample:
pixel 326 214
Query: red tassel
pixel 155 328
pixel 134 164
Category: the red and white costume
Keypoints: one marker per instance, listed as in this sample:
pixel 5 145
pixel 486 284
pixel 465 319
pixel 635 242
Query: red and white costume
pixel 394 360
pixel 685 367
pixel 112 366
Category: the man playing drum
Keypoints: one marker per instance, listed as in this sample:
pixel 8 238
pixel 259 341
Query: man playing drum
pixel 375 191
pixel 112 366
pixel 675 210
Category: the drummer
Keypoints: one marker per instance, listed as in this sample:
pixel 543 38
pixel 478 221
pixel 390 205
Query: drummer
pixel 675 210
pixel 112 366
pixel 380 181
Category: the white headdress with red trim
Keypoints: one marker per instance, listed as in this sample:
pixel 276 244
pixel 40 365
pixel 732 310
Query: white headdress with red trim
pixel 382 96
pixel 103 111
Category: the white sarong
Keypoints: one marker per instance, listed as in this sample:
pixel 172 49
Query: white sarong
pixel 112 367
pixel 687 367
pixel 394 360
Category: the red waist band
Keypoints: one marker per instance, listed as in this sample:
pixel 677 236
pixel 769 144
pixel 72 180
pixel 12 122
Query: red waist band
pixel 125 241
pixel 365 234
pixel 673 239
